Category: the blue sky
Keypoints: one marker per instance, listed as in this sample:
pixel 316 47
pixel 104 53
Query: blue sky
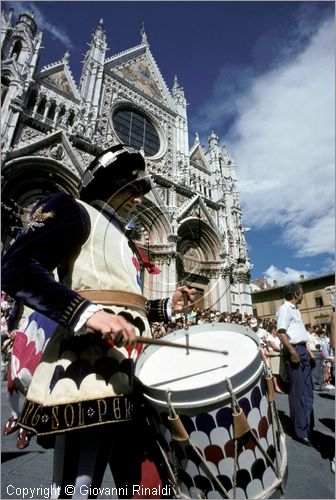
pixel 262 76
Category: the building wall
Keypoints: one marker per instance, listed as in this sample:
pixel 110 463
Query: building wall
pixel 316 305
pixel 53 127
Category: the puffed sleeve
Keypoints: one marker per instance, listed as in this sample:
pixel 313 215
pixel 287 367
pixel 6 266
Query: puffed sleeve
pixel 56 229
pixel 159 310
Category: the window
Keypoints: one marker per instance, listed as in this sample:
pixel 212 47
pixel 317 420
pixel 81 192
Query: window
pixel 31 101
pixel 4 88
pixel 16 49
pixel 135 130
pixel 319 301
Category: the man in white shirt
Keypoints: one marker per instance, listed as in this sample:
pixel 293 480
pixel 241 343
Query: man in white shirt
pixel 294 337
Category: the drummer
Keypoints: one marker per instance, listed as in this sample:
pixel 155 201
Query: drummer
pixel 81 393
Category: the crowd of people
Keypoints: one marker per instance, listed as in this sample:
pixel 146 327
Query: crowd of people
pixel 200 316
pixel 322 355
pixel 319 344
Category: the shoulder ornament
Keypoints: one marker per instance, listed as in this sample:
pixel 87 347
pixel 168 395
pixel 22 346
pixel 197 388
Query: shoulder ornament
pixel 37 219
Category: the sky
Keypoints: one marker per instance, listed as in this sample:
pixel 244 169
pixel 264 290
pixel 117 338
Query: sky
pixel 262 76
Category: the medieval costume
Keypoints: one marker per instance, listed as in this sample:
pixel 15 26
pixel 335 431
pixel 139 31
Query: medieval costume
pixel 83 383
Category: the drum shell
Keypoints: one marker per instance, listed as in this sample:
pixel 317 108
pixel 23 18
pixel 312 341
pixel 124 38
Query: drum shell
pixel 208 421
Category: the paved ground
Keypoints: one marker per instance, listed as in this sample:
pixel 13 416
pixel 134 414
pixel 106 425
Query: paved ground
pixel 309 473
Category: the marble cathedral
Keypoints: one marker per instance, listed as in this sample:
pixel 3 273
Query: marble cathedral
pixel 52 127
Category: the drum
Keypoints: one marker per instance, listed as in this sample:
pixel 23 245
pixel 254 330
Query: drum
pixel 230 443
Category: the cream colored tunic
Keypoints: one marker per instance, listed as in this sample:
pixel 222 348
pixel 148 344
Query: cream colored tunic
pixel 81 380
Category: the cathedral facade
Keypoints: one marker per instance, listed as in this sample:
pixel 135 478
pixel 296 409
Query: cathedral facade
pixel 52 127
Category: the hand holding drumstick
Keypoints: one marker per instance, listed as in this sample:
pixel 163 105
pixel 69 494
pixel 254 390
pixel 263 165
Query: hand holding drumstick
pixel 178 304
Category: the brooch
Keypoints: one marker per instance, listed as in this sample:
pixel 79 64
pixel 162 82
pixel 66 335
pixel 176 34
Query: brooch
pixel 37 219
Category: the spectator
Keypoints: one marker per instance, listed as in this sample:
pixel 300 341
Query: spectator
pixel 316 359
pixel 274 349
pixel 294 338
pixel 328 359
pixel 262 334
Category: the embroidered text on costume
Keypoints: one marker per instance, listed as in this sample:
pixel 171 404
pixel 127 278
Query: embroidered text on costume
pixel 46 420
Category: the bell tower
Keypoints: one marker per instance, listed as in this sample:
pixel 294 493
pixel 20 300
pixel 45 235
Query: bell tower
pixel 20 51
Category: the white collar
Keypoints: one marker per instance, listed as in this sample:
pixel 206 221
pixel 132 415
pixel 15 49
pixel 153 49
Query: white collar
pixel 293 306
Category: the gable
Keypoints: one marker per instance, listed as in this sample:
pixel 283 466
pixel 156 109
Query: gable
pixel 197 157
pixel 138 67
pixel 140 74
pixel 194 207
pixel 59 81
pixel 58 76
pixel 55 146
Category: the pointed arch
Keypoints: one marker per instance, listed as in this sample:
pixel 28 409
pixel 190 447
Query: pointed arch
pixel 155 226
pixel 198 248
pixel 24 177
pixel 28 179
pixel 16 49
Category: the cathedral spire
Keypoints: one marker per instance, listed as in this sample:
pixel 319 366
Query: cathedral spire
pixel 176 85
pixel 92 74
pixel 197 139
pixel 66 57
pixel 143 34
pixel 213 139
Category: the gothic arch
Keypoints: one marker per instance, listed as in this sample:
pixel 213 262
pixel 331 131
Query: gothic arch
pixel 155 223
pixel 198 247
pixel 8 72
pixel 16 49
pixel 30 178
pixel 34 174
pixel 197 234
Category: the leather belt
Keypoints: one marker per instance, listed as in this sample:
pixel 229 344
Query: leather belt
pixel 300 343
pixel 116 298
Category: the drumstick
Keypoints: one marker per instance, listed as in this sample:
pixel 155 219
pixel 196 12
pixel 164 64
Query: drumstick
pixel 167 343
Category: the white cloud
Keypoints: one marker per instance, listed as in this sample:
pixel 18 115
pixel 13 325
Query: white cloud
pixel 312 239
pixel 283 140
pixel 284 277
pixel 290 275
pixel 57 32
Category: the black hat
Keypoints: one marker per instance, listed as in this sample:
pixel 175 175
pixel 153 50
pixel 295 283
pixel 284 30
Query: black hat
pixel 112 170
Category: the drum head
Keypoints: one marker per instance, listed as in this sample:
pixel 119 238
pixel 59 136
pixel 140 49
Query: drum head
pixel 199 378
